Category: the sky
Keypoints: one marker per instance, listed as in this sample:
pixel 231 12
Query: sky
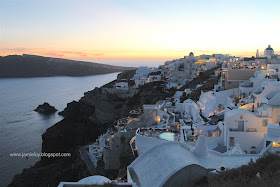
pixel 134 32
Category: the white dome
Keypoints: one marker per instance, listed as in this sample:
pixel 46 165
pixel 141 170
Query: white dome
pixel 269 51
pixel 96 179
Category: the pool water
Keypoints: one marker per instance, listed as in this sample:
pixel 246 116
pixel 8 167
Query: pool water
pixel 167 136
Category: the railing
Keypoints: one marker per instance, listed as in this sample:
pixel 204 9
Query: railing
pixel 240 130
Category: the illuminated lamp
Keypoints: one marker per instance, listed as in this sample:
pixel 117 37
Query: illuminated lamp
pixel 158 118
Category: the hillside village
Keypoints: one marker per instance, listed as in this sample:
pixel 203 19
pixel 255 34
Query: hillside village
pixel 205 128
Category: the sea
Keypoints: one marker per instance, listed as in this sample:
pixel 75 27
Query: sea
pixel 21 128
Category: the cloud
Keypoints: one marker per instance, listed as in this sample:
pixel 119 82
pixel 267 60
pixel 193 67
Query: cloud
pixel 73 52
pixel 66 53
pixel 54 55
pixel 101 54
pixel 15 49
pixel 82 54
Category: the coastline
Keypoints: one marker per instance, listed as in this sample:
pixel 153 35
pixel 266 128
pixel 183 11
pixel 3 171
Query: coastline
pixel 21 127
pixel 84 121
pixel 80 129
pixel 88 132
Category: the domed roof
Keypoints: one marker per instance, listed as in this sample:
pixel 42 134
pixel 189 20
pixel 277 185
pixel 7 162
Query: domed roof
pixel 96 179
pixel 269 48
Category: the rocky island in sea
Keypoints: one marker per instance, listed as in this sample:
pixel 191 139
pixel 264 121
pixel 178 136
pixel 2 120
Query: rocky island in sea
pixel 46 108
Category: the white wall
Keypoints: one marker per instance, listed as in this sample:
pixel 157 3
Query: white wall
pixel 144 143
pixel 250 121
pixel 247 139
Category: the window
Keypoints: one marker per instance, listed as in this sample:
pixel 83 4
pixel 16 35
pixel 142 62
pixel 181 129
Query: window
pixel 231 141
pixel 267 143
pixel 265 121
pixel 241 125
pixel 278 118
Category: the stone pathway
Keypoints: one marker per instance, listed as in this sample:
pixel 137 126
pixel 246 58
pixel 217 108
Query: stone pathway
pixel 85 157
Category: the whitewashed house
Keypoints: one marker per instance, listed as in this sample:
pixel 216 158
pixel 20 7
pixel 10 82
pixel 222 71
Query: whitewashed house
pixel 212 102
pixel 141 76
pixel 154 76
pixel 246 128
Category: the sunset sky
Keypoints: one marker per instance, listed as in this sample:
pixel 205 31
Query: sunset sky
pixel 137 31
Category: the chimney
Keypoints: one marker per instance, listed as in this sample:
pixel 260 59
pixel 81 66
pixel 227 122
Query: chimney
pixel 201 148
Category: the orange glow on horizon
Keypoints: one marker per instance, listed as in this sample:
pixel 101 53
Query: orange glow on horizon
pixel 133 55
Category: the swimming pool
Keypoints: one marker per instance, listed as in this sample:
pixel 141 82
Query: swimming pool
pixel 167 136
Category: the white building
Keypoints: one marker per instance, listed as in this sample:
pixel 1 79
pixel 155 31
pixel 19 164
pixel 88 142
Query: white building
pixel 141 76
pixel 212 102
pixel 179 164
pixel 154 76
pixel 268 51
pixel 255 83
pixel 246 128
pixel 96 180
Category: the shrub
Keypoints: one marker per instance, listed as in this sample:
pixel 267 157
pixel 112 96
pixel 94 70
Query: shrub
pixel 268 166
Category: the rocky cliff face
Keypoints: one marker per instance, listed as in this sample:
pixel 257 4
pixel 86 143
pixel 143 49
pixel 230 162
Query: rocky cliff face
pixel 45 175
pixel 84 122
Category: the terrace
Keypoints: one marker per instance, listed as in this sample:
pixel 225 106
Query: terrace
pixel 174 133
pixel 170 134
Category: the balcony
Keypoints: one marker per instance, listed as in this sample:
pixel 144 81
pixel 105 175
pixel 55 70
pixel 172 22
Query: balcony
pixel 236 129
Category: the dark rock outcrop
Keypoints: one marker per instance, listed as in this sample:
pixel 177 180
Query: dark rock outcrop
pixel 78 111
pixel 46 108
pixel 49 175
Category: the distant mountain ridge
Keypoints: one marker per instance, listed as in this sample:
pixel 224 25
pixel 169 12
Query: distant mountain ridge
pixel 39 66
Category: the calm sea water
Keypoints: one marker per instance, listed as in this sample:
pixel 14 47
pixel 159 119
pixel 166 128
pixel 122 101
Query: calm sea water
pixel 21 128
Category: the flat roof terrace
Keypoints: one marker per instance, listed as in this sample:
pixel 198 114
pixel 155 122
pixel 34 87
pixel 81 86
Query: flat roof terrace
pixel 165 134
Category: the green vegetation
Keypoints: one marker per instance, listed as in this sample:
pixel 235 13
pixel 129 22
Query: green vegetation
pixel 149 93
pixel 264 172
pixel 183 97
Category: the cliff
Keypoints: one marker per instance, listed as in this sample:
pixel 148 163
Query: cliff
pixel 84 121
pixel 38 66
